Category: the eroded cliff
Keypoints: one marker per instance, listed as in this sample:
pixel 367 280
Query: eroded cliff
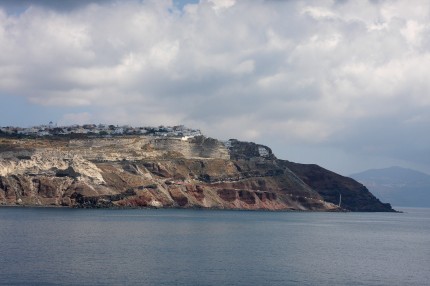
pixel 139 171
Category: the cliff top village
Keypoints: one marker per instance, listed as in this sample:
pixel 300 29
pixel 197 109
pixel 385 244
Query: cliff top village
pixel 100 130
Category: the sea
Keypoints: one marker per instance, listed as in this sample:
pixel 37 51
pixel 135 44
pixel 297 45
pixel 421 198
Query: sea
pixel 62 246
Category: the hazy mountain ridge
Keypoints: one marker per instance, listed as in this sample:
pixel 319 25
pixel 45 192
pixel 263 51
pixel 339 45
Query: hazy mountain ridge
pixel 147 171
pixel 400 186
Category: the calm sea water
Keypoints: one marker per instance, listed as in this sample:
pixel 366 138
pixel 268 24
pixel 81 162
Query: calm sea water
pixel 40 246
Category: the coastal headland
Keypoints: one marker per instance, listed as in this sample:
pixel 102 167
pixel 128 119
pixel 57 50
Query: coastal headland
pixel 168 167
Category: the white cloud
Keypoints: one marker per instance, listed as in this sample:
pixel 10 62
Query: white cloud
pixel 309 72
pixel 222 4
pixel 319 13
pixel 413 32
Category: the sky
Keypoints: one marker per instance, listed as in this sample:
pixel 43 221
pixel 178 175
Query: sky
pixel 343 84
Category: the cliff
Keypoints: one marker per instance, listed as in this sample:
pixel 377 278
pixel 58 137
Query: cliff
pixel 144 171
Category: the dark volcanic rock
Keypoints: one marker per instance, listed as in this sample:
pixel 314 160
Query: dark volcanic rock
pixel 355 196
pixel 228 195
pixel 69 172
pixel 247 197
pixel 246 150
pixel 178 197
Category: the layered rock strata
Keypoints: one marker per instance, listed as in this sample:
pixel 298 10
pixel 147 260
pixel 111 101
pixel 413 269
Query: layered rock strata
pixel 139 171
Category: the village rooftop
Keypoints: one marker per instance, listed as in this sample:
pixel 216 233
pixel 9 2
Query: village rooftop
pixel 100 130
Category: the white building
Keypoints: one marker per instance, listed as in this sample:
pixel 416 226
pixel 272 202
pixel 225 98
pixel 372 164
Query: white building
pixel 263 151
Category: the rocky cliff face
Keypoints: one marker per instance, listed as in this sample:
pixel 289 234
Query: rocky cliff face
pixel 163 172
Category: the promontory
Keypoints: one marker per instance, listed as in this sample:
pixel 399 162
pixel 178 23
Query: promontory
pixel 164 168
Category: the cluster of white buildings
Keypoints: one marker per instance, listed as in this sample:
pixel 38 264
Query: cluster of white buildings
pixel 102 130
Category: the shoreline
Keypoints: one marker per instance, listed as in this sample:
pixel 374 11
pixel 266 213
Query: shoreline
pixel 186 208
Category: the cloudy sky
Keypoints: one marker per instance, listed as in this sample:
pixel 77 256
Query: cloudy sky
pixel 344 84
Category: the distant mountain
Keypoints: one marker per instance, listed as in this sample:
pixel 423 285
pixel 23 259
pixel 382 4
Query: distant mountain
pixel 397 186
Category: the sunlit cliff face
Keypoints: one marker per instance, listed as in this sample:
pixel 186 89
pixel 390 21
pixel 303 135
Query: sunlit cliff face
pixel 149 171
